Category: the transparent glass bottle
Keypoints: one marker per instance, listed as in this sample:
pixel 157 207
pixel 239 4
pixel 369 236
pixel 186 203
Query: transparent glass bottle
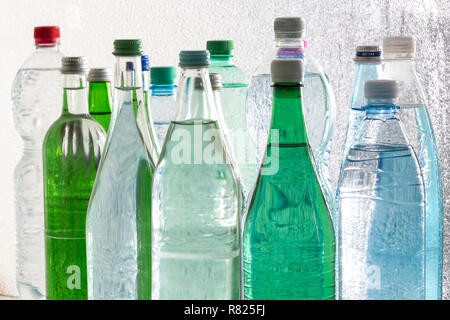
pixel 398 64
pixel 100 95
pixel 119 213
pixel 162 99
pixel 318 99
pixel 71 154
pixel 196 202
pixel 288 241
pixel 233 96
pixel 36 97
pixel 381 207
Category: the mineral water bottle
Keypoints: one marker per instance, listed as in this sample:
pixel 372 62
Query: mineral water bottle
pixel 288 241
pixel 36 96
pixel 318 98
pixel 71 154
pixel 233 96
pixel 195 218
pixel 119 213
pixel 100 95
pixel 381 207
pixel 398 58
pixel 162 100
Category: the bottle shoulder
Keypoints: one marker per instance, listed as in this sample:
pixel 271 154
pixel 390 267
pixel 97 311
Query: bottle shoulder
pixel 230 74
pixel 43 60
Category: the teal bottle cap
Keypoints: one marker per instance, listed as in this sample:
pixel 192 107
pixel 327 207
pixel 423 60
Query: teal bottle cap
pixel 163 75
pixel 196 58
pixel 74 65
pixel 128 47
pixel 220 47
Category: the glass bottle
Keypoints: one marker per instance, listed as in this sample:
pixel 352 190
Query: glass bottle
pixel 233 96
pixel 318 99
pixel 119 213
pixel 100 95
pixel 288 241
pixel 381 207
pixel 195 222
pixel 36 105
pixel 163 97
pixel 71 154
pixel 398 64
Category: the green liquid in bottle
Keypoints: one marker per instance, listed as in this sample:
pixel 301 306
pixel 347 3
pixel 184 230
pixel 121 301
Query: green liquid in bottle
pixel 100 102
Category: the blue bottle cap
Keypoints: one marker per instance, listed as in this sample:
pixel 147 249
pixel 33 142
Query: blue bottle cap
pixel 129 66
pixel 145 61
pixel 194 58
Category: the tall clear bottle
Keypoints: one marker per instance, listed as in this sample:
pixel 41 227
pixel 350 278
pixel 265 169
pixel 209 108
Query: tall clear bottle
pixel 288 241
pixel 398 64
pixel 100 95
pixel 381 207
pixel 36 97
pixel 118 221
pixel 195 222
pixel 162 100
pixel 318 98
pixel 233 96
pixel 71 154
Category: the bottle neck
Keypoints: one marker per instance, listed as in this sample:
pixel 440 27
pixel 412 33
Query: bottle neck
pixel 163 89
pixel 221 60
pixel 128 73
pixel 45 47
pixel 381 109
pixel 99 97
pixel 364 72
pixel 195 99
pixel 287 115
pixel 293 48
pixel 75 98
pixel 145 80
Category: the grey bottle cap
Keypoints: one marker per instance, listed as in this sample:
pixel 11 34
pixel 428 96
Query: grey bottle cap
pixel 289 27
pixel 380 89
pixel 100 75
pixel 216 81
pixel 399 47
pixel 287 70
pixel 74 65
pixel 368 53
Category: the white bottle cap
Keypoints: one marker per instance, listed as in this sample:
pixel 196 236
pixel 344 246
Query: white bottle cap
pixel 287 70
pixel 398 47
pixel 289 27
pixel 380 89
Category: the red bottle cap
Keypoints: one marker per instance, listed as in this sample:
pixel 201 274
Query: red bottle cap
pixel 46 34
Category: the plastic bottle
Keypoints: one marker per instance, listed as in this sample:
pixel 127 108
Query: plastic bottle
pixel 36 96
pixel 288 242
pixel 71 154
pixel 398 64
pixel 381 207
pixel 196 202
pixel 119 213
pixel 100 95
pixel 162 100
pixel 318 98
pixel 233 96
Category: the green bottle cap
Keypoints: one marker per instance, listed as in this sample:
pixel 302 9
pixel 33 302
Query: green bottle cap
pixel 163 75
pixel 220 47
pixel 194 58
pixel 128 47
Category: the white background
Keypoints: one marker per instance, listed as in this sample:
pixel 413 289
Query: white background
pixel 334 28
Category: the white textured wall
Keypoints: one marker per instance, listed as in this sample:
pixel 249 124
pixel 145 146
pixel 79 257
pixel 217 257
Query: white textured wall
pixel 334 28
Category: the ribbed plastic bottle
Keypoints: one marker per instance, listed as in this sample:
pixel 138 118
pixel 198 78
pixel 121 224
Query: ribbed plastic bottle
pixel 162 100
pixel 100 95
pixel 71 154
pixel 119 214
pixel 288 241
pixel 398 64
pixel 381 207
pixel 318 98
pixel 233 96
pixel 36 97
pixel 196 202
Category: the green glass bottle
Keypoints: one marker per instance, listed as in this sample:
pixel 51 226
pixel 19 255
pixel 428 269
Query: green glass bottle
pixel 100 95
pixel 288 241
pixel 71 153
